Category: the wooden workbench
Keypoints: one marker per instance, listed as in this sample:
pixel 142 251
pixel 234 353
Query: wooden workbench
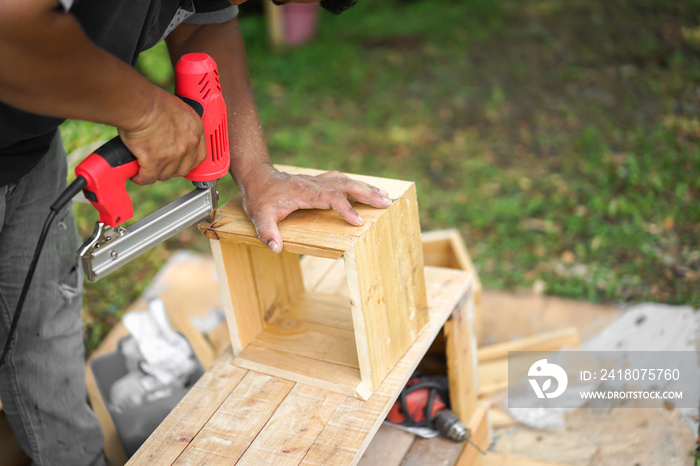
pixel 238 416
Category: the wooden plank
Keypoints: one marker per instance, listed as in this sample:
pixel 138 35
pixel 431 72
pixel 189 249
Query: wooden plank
pixel 239 419
pixel 546 341
pixel 376 349
pixel 270 276
pixel 388 447
pixel 291 265
pixel 311 340
pixel 293 428
pixel 480 428
pixel 350 429
pixel 386 281
pixel 234 267
pixel 321 308
pixel 394 272
pixel 407 228
pixel 461 359
pixel 312 372
pixel 184 422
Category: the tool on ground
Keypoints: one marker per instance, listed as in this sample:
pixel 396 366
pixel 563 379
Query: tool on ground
pixel 103 174
pixel 421 404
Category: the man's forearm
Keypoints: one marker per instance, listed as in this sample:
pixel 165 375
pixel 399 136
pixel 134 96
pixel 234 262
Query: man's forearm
pixel 52 68
pixel 224 43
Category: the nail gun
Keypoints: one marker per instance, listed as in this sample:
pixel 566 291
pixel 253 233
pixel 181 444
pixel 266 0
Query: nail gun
pixel 103 174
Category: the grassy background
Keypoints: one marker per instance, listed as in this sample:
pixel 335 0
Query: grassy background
pixel 560 137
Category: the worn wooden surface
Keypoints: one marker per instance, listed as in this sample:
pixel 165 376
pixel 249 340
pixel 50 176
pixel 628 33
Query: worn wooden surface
pixel 295 423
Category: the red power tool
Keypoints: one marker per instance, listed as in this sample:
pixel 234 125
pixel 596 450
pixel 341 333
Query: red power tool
pixel 421 404
pixel 103 175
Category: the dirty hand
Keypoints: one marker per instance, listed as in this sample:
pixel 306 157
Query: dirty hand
pixel 270 195
pixel 168 141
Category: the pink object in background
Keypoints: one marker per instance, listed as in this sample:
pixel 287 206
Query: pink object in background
pixel 300 22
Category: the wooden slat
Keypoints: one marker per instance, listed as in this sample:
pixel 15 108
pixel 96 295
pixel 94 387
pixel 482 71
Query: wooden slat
pixel 321 308
pixel 376 350
pixel 407 228
pixel 546 341
pixel 233 267
pixel 291 265
pixel 185 421
pixel 312 372
pixel 311 340
pixel 384 270
pixel 350 429
pixel 293 428
pixel 270 277
pixel 239 419
pixel 461 359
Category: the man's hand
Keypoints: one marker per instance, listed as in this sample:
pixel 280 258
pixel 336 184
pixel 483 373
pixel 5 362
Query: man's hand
pixel 57 71
pixel 169 141
pixel 270 195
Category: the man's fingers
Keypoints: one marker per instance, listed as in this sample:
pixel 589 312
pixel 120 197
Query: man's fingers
pixel 343 207
pixel 269 234
pixel 364 193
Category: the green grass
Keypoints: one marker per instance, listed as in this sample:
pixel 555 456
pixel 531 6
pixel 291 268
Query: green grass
pixel 561 138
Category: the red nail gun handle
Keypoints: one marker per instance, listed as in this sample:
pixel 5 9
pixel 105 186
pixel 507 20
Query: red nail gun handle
pixel 106 170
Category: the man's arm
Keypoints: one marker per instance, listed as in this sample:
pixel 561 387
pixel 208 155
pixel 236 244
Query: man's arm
pixel 50 67
pixel 268 195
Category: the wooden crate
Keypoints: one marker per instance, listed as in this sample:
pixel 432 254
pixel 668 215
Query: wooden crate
pixel 338 343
